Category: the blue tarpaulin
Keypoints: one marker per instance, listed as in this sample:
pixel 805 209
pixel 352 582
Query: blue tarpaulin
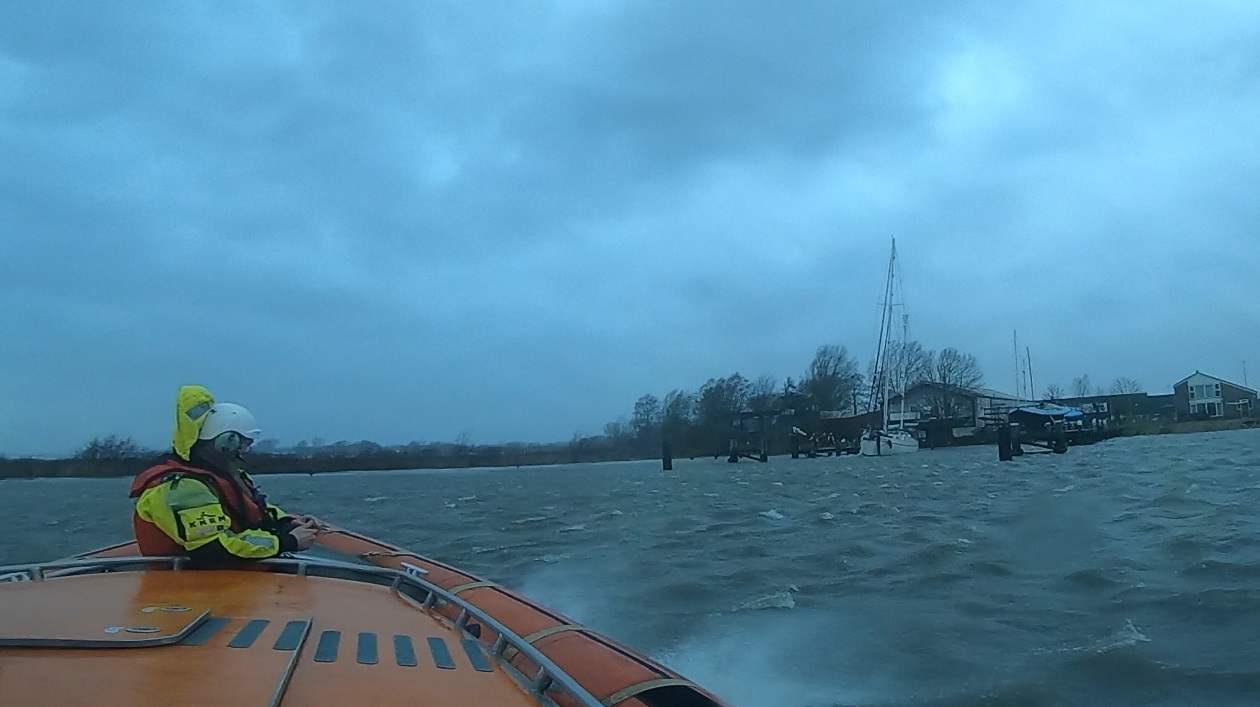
pixel 1051 411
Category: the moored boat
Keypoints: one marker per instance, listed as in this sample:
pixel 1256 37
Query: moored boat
pixel 887 440
pixel 878 443
pixel 350 621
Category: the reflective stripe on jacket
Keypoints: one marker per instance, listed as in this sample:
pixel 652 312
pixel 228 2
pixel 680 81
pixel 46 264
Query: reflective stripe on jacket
pixel 180 508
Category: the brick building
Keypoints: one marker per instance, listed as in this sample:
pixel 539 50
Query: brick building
pixel 1201 396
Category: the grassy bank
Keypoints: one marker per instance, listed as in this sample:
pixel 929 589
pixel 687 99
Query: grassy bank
pixel 1163 427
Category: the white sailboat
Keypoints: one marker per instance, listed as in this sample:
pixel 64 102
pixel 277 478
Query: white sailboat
pixel 888 440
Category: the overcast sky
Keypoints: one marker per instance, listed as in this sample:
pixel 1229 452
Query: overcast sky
pixel 412 221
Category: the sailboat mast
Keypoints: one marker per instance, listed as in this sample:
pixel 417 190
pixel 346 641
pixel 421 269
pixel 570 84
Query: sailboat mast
pixel 1015 347
pixel 886 328
pixel 904 373
pixel 1032 390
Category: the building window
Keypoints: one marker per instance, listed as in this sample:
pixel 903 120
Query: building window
pixel 1210 390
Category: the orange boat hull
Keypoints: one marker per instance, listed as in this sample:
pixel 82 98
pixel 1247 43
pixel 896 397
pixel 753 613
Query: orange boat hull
pixel 231 637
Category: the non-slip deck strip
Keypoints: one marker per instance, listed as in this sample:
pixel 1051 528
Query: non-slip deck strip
pixel 404 651
pixel 472 648
pixel 303 629
pixel 291 637
pixel 367 650
pixel 366 653
pixel 441 654
pixel 326 651
pixel 249 633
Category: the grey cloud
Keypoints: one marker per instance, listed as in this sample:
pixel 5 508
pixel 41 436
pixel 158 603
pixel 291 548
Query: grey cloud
pixel 515 221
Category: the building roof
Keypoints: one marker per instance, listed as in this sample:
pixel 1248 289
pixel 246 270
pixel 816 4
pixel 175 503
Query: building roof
pixel 991 393
pixel 960 390
pixel 1221 380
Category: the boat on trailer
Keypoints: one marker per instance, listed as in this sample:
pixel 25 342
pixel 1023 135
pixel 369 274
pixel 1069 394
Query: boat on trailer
pixel 1046 425
pixel 351 621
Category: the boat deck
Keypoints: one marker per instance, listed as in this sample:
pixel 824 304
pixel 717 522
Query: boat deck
pixel 350 621
pixel 235 637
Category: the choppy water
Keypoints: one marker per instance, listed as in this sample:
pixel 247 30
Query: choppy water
pixel 1127 573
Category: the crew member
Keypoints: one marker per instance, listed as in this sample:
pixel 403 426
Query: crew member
pixel 199 502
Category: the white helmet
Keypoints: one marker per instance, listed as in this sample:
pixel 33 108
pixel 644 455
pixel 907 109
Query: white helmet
pixel 229 417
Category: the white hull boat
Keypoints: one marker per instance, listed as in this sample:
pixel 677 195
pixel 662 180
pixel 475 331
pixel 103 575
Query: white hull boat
pixel 880 443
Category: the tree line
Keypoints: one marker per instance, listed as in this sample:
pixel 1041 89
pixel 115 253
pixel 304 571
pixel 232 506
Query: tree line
pixel 696 422
pixel 1082 387
pixel 121 456
pixel 699 422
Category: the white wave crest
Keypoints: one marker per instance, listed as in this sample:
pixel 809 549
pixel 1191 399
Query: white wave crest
pixel 531 519
pixel 778 600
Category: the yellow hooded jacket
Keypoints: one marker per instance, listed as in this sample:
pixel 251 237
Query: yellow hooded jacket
pixel 187 504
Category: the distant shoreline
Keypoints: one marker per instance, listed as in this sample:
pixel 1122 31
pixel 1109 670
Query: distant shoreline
pixel 322 464
pixel 476 459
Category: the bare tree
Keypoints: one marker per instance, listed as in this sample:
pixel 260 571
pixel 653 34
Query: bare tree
pixel 1054 391
pixel 832 377
pixel 762 395
pixel 908 363
pixel 1081 385
pixel 720 400
pixel 953 367
pixel 111 447
pixel 1120 386
pixel 646 420
pixel 618 431
pixel 678 414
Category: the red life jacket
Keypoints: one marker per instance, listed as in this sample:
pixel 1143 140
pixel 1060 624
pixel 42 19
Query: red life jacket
pixel 241 508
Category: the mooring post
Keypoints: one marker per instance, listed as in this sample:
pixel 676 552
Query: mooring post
pixel 1060 445
pixel 1004 443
